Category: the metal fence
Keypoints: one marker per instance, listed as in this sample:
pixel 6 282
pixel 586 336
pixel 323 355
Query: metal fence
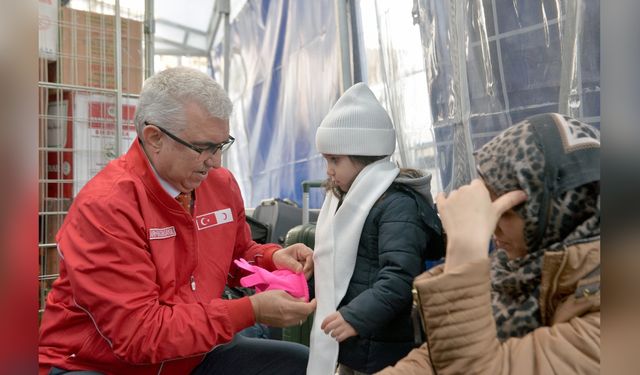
pixel 91 70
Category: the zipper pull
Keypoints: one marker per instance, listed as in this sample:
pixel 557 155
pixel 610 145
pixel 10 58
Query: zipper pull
pixel 193 283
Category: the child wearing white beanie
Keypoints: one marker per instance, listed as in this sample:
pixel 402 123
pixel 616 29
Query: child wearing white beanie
pixel 376 228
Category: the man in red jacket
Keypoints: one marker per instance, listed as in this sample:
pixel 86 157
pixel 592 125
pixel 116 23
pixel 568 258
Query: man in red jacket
pixel 142 275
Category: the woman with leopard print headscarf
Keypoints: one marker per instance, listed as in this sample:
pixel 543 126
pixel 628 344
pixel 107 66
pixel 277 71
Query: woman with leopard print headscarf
pixel 533 306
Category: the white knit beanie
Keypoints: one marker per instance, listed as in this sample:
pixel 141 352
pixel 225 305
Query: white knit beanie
pixel 356 125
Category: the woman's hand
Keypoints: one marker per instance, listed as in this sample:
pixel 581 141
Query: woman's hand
pixel 469 218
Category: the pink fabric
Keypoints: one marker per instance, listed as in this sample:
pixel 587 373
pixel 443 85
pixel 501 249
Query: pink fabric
pixel 261 279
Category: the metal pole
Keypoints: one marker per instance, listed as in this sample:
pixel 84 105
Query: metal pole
pixel 359 70
pixel 226 10
pixel 223 11
pixel 64 86
pixel 306 185
pixel 149 33
pixel 118 75
pixel 213 30
pixel 345 52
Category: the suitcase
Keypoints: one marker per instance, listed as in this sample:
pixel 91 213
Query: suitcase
pixel 300 334
pixel 280 216
pixel 306 234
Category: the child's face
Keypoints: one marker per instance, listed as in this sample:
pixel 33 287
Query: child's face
pixel 342 170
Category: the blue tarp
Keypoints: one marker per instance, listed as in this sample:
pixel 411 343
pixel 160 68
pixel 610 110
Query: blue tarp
pixel 284 79
pixel 483 66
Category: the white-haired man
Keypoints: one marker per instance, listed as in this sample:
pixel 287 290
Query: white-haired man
pixel 147 248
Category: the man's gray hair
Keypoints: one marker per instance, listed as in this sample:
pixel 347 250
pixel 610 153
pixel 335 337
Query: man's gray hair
pixel 165 94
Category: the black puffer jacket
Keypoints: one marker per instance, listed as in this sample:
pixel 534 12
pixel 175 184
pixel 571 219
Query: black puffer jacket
pixel 401 231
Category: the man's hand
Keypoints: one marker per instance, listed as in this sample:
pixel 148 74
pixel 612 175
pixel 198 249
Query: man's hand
pixel 335 325
pixel 469 218
pixel 297 258
pixel 277 308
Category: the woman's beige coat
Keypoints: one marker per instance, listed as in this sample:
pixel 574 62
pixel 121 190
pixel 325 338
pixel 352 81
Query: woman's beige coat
pixel 461 333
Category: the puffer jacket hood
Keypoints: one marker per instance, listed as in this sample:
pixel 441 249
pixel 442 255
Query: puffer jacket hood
pixel 418 184
pixel 418 181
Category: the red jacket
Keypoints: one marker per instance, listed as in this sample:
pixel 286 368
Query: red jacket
pixel 141 280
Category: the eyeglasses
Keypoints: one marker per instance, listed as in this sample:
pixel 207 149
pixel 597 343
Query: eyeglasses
pixel 210 147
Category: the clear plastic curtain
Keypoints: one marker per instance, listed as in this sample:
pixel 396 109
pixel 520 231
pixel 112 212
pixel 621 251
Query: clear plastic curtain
pixel 394 69
pixel 491 63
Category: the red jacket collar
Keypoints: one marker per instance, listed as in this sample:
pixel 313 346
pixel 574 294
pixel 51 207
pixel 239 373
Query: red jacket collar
pixel 139 165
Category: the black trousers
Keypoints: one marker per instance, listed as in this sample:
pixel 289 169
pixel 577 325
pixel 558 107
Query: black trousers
pixel 245 356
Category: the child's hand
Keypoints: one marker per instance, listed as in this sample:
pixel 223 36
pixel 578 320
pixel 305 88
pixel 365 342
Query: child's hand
pixel 337 327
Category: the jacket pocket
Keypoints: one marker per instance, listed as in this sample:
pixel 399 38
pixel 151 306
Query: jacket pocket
pixel 94 352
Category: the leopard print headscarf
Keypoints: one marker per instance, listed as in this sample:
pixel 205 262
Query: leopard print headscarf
pixel 555 159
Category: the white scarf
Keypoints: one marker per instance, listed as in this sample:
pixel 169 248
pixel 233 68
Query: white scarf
pixel 334 256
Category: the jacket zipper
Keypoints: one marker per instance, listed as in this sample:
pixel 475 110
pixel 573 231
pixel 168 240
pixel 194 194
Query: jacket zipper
pixel 416 298
pixel 192 278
